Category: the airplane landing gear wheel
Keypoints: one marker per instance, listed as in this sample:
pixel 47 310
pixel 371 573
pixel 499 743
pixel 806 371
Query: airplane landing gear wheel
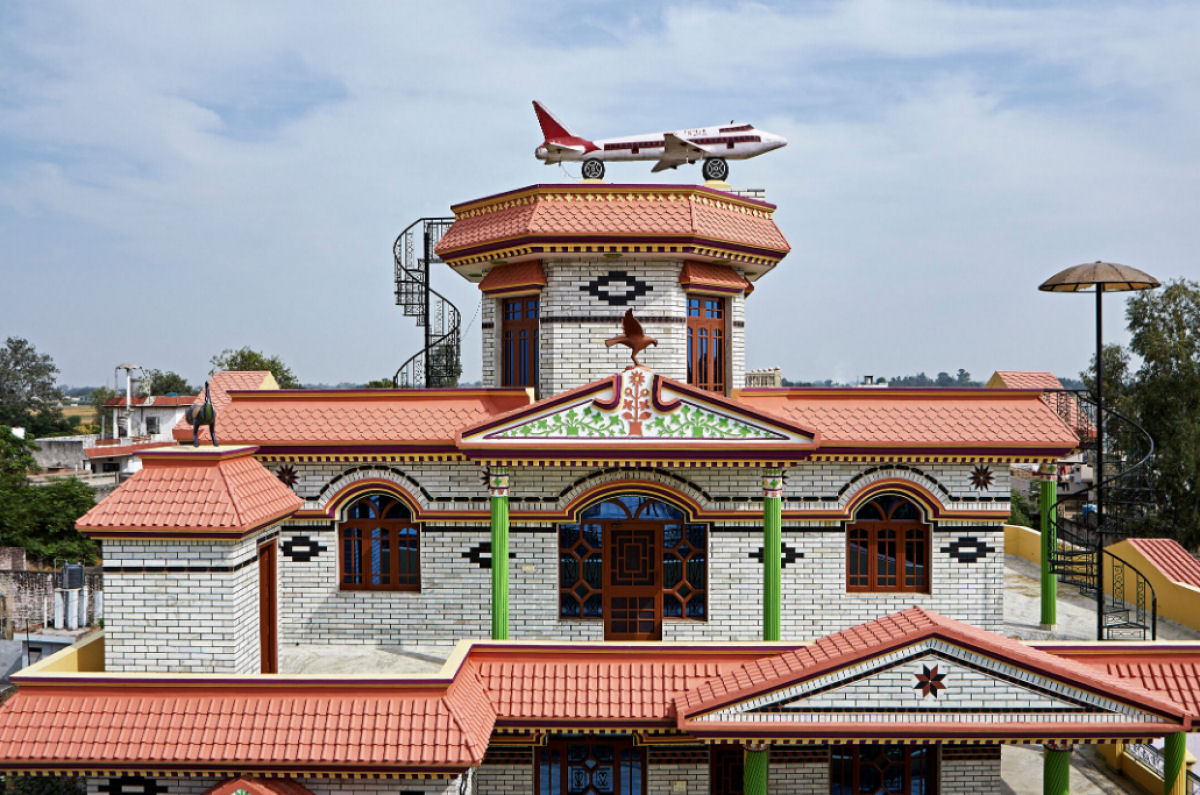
pixel 593 168
pixel 715 168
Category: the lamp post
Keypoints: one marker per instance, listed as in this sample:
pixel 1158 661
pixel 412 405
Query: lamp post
pixel 1100 277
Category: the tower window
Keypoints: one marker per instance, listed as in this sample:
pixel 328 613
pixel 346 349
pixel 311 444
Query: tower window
pixel 706 342
pixel 519 340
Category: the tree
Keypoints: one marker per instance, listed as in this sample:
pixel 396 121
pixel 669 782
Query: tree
pixel 28 395
pixel 378 383
pixel 40 518
pixel 1020 510
pixel 164 383
pixel 1165 395
pixel 99 397
pixel 248 359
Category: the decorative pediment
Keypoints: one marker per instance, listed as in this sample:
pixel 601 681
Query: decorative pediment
pixel 637 408
pixel 933 681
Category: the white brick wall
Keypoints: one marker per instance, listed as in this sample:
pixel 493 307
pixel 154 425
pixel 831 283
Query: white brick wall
pixel 661 778
pixel 976 776
pixel 201 620
pixel 454 601
pixel 504 779
pixel 489 327
pixel 455 597
pixel 809 779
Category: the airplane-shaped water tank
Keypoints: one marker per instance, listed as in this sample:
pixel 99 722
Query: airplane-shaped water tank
pixel 670 149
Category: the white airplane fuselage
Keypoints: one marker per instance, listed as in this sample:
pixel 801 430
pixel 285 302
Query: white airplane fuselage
pixel 729 141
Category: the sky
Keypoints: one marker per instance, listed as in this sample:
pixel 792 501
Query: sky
pixel 181 178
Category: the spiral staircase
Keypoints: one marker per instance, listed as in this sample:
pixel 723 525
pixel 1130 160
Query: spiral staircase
pixel 1130 606
pixel 438 363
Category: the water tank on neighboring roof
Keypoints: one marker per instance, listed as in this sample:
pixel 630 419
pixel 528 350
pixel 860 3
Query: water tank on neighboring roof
pixel 72 576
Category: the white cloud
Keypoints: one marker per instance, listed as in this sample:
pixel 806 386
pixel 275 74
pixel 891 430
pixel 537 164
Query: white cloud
pixel 183 178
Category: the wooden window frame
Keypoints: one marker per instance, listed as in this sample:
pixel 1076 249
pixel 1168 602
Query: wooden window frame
pixel 575 548
pixel 910 541
pixel 849 757
pixel 354 531
pixel 557 748
pixel 709 370
pixel 525 320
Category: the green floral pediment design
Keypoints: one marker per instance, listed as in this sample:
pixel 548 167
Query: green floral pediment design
pixel 578 422
pixel 690 421
pixel 637 405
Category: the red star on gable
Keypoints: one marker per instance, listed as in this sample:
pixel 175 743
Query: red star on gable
pixel 929 681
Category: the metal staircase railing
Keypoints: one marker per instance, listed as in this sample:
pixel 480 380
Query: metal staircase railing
pixel 1153 758
pixel 1130 609
pixel 438 363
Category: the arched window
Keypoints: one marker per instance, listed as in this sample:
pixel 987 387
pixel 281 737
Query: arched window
pixel 887 547
pixel 633 561
pixel 380 546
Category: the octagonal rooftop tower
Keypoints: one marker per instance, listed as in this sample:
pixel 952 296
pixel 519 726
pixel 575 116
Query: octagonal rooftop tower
pixel 559 265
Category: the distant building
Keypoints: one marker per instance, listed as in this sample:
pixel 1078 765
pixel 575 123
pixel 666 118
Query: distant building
pixel 771 378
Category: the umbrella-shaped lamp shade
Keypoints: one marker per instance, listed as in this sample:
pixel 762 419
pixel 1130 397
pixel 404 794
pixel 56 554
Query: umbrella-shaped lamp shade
pixel 1104 276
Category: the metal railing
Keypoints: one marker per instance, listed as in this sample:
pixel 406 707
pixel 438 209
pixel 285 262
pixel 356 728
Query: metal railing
pixel 438 363
pixel 1153 758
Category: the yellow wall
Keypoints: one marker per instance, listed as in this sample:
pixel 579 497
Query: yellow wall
pixel 1176 601
pixel 86 656
pixel 1024 542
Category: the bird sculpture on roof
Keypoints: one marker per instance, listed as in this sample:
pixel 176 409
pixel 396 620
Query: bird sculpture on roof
pixel 634 337
pixel 202 414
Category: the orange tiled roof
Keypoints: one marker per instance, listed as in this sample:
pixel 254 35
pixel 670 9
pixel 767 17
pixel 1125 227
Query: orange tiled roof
pixel 599 686
pixel 348 417
pixel 516 277
pixel 245 730
pixel 918 418
pixel 531 221
pixel 151 400
pixel 891 632
pixel 1062 402
pixel 717 277
pixel 444 722
pixel 1170 558
pixel 219 491
pixel 1170 670
pixel 1025 379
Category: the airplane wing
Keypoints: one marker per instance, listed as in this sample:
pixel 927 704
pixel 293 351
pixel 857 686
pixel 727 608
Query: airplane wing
pixel 560 149
pixel 677 151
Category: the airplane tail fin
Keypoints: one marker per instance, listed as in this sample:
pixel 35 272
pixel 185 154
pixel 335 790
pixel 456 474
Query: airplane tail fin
pixel 552 128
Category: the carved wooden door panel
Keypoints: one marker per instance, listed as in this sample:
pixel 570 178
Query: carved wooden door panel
pixel 633 586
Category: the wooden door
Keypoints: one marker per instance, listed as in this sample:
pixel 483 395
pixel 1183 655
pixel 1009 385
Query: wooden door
pixel 633 583
pixel 727 769
pixel 267 609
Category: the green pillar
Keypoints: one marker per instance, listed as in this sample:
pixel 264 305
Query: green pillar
pixel 772 553
pixel 1174 772
pixel 1056 771
pixel 498 491
pixel 756 770
pixel 1046 500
